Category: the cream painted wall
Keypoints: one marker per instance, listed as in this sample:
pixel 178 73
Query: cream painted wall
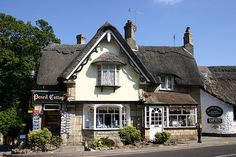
pixel 87 78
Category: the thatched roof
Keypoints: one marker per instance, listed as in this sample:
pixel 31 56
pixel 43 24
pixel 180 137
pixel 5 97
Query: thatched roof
pixel 166 98
pixel 54 60
pixel 170 60
pixel 108 57
pixel 220 81
pixel 58 61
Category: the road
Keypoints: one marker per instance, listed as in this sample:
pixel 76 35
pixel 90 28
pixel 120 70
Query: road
pixel 216 151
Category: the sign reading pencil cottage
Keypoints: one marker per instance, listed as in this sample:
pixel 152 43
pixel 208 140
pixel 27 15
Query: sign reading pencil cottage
pixel 111 83
pixel 48 96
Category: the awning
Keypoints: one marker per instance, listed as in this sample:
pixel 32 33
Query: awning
pixel 169 98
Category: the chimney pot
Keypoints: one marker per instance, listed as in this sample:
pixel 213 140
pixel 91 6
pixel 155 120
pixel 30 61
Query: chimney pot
pixel 188 40
pixel 130 29
pixel 81 39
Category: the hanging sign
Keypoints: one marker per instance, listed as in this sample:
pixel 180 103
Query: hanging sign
pixel 214 111
pixel 40 96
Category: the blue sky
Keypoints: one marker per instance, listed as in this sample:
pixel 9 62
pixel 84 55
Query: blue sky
pixel 212 22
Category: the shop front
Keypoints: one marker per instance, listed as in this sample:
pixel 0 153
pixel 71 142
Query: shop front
pixel 47 110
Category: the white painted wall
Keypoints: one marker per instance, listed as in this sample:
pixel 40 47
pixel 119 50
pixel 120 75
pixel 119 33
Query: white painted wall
pixel 228 125
pixel 87 79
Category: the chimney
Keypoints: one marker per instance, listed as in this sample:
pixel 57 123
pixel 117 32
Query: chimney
pixel 81 39
pixel 130 29
pixel 188 40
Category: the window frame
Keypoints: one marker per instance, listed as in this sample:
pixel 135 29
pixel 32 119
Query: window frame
pixel 168 80
pixel 166 116
pixel 100 76
pixel 91 117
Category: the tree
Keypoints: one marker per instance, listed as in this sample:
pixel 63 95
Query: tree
pixel 20 51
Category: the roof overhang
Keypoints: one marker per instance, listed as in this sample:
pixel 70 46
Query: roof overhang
pixel 169 98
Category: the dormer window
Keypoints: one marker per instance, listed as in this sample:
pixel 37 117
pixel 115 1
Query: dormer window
pixel 167 82
pixel 108 70
pixel 108 75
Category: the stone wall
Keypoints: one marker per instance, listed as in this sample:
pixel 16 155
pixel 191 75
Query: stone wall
pixel 179 134
pixel 74 136
pixel 182 134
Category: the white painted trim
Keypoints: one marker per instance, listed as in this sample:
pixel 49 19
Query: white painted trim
pixel 87 54
pixel 130 57
pixel 108 31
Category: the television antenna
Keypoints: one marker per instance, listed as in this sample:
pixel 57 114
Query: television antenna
pixel 135 12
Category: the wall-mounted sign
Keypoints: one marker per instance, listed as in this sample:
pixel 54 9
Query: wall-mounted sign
pixel 40 96
pixel 214 111
pixel 214 120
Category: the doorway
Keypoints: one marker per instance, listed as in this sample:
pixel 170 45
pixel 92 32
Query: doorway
pixel 156 120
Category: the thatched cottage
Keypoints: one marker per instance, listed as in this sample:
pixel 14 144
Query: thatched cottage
pixel 90 90
pixel 218 99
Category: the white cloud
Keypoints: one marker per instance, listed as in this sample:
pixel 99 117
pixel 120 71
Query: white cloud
pixel 167 2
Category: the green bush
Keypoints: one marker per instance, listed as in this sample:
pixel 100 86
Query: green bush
pixel 129 135
pixel 162 137
pixel 101 143
pixel 38 139
pixel 56 141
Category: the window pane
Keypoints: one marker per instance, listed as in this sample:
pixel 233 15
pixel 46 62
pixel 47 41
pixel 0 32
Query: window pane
pixel 182 120
pixel 163 82
pixel 173 121
pixel 190 120
pixel 173 110
pixel 169 82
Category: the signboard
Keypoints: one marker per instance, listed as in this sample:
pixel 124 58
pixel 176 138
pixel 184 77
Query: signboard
pixel 48 96
pixel 36 122
pixel 214 120
pixel 214 111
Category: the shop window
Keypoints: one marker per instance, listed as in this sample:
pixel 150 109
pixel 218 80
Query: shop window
pixel 108 75
pixel 106 116
pixel 167 82
pixel 181 116
pixel 176 116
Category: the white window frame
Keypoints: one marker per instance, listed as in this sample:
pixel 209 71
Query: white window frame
pixel 101 69
pixel 168 79
pixel 147 119
pixel 91 120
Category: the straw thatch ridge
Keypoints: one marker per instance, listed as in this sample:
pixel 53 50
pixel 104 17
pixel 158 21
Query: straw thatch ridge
pixel 162 60
pixel 220 81
pixel 58 61
pixel 54 60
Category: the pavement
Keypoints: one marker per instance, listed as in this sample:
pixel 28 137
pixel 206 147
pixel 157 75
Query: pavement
pixel 69 151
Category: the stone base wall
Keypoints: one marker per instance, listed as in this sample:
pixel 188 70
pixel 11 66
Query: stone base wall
pixel 178 134
pixel 89 135
pixel 183 134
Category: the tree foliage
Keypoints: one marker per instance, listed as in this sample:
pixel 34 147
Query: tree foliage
pixel 20 50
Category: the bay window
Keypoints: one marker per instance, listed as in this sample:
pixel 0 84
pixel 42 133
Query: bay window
pixel 105 117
